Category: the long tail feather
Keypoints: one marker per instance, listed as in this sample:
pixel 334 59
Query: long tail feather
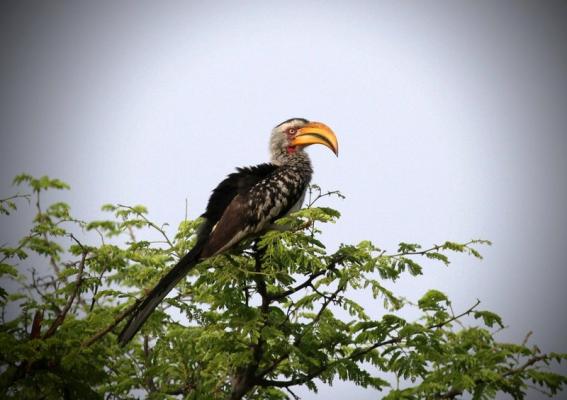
pixel 158 293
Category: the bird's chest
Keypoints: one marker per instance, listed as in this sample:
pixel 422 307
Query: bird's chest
pixel 278 194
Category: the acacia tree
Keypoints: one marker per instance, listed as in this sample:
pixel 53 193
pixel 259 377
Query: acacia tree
pixel 274 314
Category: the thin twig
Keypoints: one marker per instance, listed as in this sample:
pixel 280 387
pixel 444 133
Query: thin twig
pixel 52 261
pixel 150 223
pixel 332 265
pixel 186 209
pixel 61 317
pixel 525 365
pixel 424 252
pixel 36 284
pixel 454 318
pixel 295 397
pixel 17 196
pixel 117 319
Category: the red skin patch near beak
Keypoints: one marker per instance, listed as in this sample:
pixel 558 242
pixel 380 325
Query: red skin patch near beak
pixel 291 149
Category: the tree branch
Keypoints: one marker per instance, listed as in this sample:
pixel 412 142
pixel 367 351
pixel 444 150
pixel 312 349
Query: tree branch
pixel 117 319
pixel 245 379
pixel 528 363
pixel 454 392
pixel 282 295
pixel 149 381
pixel 424 252
pixel 357 353
pixel 448 321
pixel 311 201
pixel 36 284
pixel 61 316
pixel 308 328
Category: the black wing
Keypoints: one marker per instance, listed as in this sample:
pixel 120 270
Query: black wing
pixel 238 182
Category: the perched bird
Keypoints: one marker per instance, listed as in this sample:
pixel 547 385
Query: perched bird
pixel 246 204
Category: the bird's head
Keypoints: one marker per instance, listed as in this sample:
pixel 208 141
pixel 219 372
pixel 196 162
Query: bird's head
pixel 295 134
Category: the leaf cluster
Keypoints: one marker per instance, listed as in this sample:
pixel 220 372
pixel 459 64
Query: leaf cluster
pixel 277 312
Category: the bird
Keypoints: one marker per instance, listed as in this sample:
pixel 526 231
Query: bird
pixel 245 205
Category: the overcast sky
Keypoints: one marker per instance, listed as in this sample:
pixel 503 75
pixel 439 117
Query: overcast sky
pixel 450 115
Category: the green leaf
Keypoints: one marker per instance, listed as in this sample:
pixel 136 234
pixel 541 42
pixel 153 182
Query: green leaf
pixel 432 300
pixel 489 318
pixel 408 247
pixel 8 269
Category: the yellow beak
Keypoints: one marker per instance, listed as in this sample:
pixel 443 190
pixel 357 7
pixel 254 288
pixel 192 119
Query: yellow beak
pixel 316 133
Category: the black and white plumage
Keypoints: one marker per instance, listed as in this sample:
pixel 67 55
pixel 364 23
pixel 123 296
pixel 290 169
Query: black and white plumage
pixel 245 204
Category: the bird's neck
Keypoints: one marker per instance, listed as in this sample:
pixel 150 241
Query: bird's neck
pixel 298 158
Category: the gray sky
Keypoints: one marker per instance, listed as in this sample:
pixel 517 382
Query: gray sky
pixel 450 116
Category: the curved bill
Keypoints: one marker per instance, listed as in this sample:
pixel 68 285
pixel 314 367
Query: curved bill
pixel 316 133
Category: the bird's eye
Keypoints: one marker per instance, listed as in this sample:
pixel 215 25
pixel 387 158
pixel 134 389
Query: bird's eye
pixel 292 130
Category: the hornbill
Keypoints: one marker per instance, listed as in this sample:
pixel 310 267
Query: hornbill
pixel 245 205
